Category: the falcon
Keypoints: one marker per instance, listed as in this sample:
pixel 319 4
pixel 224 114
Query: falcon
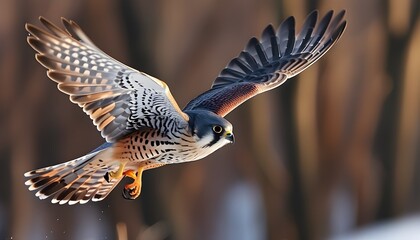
pixel 142 124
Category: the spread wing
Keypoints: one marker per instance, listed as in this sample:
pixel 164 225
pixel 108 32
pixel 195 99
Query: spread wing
pixel 119 99
pixel 267 63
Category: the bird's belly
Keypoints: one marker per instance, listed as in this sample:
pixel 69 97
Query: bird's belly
pixel 180 156
pixel 155 148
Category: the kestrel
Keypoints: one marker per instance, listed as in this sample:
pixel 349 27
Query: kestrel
pixel 143 125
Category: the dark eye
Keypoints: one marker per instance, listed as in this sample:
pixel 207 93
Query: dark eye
pixel 217 129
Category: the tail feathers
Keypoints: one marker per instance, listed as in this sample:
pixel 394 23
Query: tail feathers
pixel 76 181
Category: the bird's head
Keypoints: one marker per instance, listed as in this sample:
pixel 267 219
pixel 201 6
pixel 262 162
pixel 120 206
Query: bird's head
pixel 211 130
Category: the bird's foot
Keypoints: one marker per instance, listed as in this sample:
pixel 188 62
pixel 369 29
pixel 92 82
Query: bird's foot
pixel 132 191
pixel 115 174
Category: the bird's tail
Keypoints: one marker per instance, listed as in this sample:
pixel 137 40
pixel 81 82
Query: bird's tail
pixel 76 181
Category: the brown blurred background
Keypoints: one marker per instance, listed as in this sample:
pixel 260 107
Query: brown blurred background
pixel 332 150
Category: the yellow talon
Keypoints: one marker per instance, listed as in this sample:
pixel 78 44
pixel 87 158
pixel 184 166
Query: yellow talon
pixel 115 174
pixel 130 174
pixel 132 191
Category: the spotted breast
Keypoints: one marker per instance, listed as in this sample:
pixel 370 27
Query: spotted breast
pixel 151 147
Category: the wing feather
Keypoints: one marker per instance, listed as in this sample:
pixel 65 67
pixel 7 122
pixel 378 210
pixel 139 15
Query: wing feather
pixel 119 99
pixel 267 63
pixel 287 33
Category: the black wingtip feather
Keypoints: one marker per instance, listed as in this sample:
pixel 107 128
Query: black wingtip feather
pixel 324 23
pixel 257 51
pixel 286 33
pixel 305 34
pixel 337 19
pixel 319 32
pixel 340 29
pixel 268 33
pixel 341 14
pixel 284 53
pixel 269 42
pixel 250 46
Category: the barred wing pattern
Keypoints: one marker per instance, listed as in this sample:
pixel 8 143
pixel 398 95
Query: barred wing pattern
pixel 119 99
pixel 76 181
pixel 267 63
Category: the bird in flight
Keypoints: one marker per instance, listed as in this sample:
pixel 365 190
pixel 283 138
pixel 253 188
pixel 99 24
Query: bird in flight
pixel 136 113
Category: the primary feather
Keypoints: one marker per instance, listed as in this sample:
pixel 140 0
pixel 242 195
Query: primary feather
pixel 267 63
pixel 119 99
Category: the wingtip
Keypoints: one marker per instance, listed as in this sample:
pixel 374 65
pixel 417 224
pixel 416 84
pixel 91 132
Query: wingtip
pixel 326 19
pixel 73 202
pixel 342 12
pixel 44 20
pixel 268 32
pixel 67 23
pixel 41 195
pixel 30 28
pixel 82 201
pixel 32 41
pixel 268 29
pixel 28 182
pixel 338 24
pixel 330 12
pixel 340 30
pixel 28 174
pixel 313 15
pixel 287 25
pixel 340 15
pixel 27 26
pixel 289 20
pixel 315 11
pixel 252 42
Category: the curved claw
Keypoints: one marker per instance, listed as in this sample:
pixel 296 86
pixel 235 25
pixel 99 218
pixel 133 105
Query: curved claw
pixel 127 194
pixel 132 191
pixel 115 174
pixel 107 177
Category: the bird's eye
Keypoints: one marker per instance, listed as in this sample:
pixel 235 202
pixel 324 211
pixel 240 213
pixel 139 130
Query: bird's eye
pixel 217 129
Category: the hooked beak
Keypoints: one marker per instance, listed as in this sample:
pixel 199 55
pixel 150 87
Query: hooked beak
pixel 229 136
